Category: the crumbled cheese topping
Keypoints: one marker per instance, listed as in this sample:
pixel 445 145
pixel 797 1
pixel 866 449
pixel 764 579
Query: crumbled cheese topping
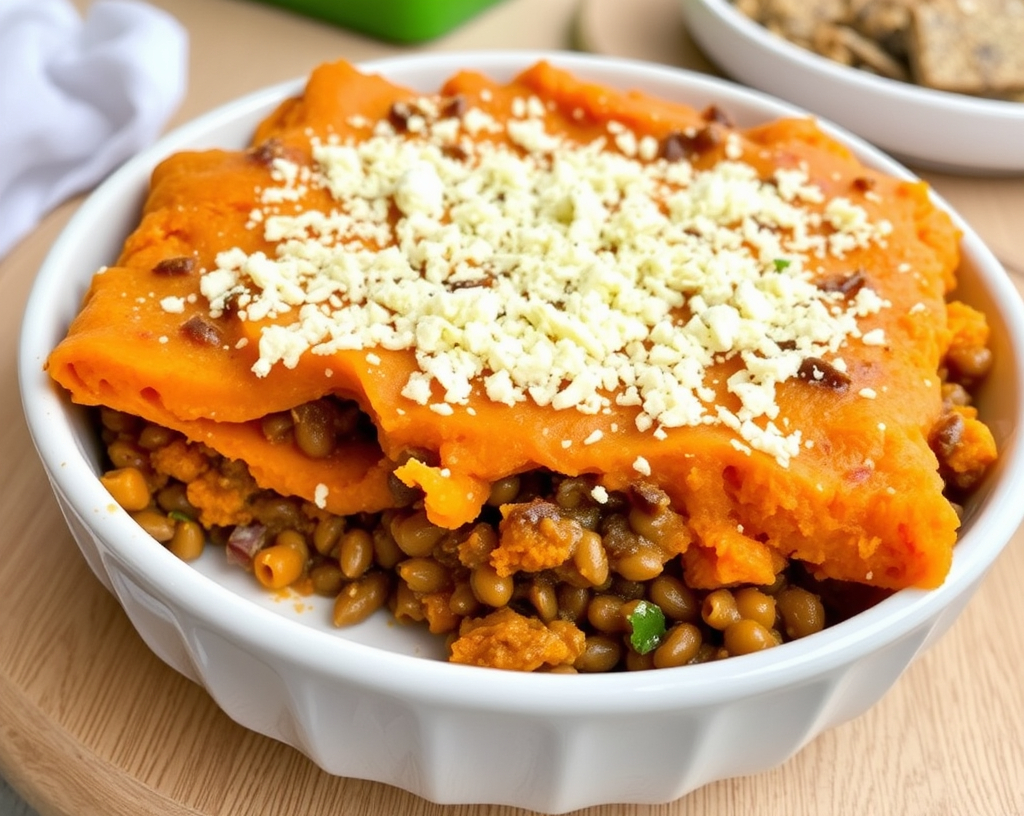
pixel 173 305
pixel 576 276
pixel 875 337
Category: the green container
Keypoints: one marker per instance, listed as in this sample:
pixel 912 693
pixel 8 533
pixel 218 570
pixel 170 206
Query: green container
pixel 401 21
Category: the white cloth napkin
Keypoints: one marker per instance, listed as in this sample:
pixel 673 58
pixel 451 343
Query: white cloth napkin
pixel 78 97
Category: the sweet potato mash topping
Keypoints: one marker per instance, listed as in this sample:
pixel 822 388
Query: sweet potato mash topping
pixel 575 273
pixel 553 276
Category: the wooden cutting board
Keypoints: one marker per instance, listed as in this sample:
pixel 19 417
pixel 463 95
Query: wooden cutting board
pixel 92 723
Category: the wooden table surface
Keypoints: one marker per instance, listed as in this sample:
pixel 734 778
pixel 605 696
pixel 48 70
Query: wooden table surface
pixel 92 723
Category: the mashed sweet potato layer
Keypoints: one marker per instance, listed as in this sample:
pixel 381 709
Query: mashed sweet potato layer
pixel 814 289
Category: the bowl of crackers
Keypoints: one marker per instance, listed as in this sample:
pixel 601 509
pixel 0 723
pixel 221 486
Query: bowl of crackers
pixel 939 85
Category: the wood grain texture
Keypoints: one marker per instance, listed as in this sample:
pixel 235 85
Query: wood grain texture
pixel 92 723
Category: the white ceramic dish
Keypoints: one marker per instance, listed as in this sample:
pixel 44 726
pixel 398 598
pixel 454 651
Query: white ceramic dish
pixel 369 702
pixel 923 127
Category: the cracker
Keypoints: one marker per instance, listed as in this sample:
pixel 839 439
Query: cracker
pixel 884 21
pixel 843 44
pixel 968 47
pixel 795 20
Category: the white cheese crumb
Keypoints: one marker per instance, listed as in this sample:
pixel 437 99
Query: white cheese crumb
pixel 320 495
pixel 742 448
pixel 417 388
pixel 595 436
pixel 642 466
pixel 648 148
pixel 733 147
pixel 173 305
pixel 626 141
pixel 373 359
pixel 442 408
pixel 875 337
pixel 420 191
pixel 868 393
pixel 599 494
pixel 566 443
pixel 163 338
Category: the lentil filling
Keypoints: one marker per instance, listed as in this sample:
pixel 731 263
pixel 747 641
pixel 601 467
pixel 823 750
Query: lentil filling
pixel 578 379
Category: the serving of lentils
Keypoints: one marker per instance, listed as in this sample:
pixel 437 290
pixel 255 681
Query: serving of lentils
pixel 621 583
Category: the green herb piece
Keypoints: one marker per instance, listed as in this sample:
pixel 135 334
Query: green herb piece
pixel 648 623
pixel 177 515
pixel 781 263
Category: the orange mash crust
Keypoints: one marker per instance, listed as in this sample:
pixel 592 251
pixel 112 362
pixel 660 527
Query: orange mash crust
pixel 822 457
